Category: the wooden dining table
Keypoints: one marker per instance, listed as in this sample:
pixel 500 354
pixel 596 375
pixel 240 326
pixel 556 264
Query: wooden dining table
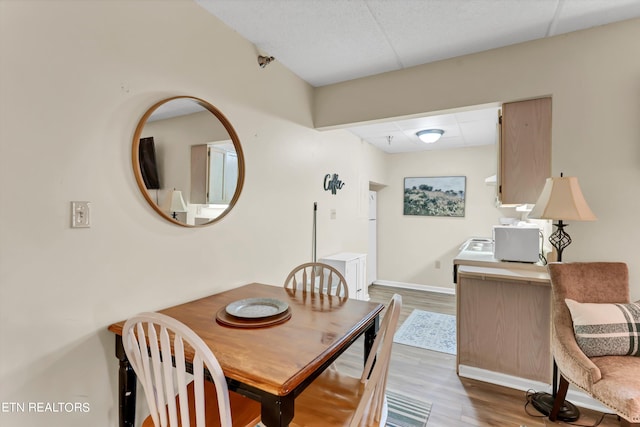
pixel 271 364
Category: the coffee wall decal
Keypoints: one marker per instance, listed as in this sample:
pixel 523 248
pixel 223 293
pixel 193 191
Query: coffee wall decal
pixel 332 183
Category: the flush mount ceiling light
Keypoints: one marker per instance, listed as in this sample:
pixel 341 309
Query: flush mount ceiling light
pixel 429 136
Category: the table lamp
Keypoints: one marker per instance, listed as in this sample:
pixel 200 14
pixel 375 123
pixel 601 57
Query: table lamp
pixel 561 200
pixel 174 203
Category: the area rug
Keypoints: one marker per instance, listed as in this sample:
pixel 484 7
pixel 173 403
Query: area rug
pixel 431 331
pixel 405 411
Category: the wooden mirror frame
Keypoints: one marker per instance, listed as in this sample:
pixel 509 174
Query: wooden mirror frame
pixel 135 156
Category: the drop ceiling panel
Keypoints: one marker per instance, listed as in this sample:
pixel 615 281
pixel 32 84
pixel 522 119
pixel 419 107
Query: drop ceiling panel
pixel 427 31
pixel 574 15
pixel 331 41
pixel 316 39
pixel 461 129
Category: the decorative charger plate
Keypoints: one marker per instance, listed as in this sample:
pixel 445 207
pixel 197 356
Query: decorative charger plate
pixel 226 319
pixel 256 308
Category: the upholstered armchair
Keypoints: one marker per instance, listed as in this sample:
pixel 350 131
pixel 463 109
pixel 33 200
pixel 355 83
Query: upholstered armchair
pixel 589 357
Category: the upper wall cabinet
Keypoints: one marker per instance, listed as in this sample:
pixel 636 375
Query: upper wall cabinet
pixel 525 150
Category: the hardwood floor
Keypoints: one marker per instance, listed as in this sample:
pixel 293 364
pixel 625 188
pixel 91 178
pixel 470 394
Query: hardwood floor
pixel 430 375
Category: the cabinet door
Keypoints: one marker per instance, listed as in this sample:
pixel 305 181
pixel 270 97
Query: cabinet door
pixel 525 150
pixel 362 279
pixel 504 327
pixel 351 273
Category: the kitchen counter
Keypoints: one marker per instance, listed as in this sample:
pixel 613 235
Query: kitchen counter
pixel 504 319
pixel 478 252
pixel 509 273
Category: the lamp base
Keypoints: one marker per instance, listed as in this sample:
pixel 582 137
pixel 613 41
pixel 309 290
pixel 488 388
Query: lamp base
pixel 543 402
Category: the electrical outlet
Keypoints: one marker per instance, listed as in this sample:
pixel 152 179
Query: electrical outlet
pixel 438 264
pixel 80 215
pixel 332 214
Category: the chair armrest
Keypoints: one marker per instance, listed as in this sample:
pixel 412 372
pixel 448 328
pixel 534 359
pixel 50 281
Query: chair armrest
pixel 571 361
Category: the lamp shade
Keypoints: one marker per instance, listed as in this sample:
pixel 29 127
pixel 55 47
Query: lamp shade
pixel 562 199
pixel 174 202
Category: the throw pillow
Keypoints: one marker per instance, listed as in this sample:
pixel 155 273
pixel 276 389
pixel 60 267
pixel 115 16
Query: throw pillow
pixel 606 329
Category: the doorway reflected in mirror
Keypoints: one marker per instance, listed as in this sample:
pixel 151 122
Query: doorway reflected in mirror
pixel 185 143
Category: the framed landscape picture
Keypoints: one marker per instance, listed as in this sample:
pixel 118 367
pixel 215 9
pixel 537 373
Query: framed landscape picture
pixel 435 196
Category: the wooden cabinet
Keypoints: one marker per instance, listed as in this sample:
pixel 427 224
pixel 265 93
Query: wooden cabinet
pixel 525 150
pixel 504 324
pixel 353 266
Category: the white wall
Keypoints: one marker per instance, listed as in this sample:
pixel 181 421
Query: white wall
pixel 593 77
pixel 75 77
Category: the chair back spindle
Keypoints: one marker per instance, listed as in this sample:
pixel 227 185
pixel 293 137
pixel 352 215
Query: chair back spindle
pixel 149 341
pixel 318 278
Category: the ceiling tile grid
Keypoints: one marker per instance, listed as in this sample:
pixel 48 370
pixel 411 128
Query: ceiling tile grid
pixel 331 41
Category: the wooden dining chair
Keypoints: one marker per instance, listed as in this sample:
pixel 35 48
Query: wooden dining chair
pixel 339 400
pixel 316 277
pixel 149 340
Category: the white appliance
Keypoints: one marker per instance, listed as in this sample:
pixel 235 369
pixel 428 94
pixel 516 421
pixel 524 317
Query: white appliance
pixel 372 256
pixel 353 267
pixel 516 243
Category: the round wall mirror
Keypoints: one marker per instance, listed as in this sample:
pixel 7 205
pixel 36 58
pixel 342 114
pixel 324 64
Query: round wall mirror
pixel 187 161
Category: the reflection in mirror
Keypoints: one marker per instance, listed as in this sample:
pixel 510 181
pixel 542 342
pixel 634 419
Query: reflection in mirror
pixel 188 161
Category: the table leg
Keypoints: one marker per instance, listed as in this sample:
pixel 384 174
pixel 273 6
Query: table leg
pixel 277 411
pixel 370 336
pixel 127 382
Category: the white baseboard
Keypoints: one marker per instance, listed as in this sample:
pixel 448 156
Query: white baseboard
pixel 575 396
pixel 504 380
pixel 415 286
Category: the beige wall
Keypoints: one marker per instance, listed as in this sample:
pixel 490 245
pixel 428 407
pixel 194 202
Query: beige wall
pixel 594 79
pixel 410 246
pixel 75 77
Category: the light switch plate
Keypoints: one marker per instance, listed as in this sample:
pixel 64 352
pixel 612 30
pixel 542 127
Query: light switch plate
pixel 80 214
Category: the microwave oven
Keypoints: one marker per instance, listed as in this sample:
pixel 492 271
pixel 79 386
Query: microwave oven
pixel 519 244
